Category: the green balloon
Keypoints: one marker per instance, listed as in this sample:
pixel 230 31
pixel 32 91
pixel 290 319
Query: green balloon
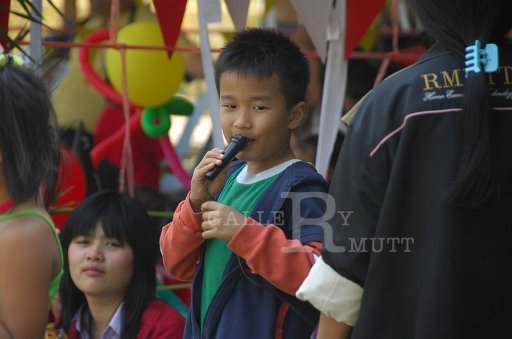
pixel 155 122
pixel 179 105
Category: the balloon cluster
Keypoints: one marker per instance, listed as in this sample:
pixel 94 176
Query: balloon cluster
pixel 151 78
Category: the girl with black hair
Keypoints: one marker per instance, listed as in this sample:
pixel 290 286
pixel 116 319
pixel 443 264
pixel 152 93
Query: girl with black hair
pixel 423 191
pixel 30 253
pixel 108 287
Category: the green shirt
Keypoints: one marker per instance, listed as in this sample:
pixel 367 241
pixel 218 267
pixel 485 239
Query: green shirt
pixel 241 197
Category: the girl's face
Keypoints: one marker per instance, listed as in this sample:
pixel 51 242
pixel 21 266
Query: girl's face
pixel 100 266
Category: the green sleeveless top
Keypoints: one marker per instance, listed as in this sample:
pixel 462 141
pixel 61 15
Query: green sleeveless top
pixel 54 285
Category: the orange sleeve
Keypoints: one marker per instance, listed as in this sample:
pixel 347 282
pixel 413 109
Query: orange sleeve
pixel 180 241
pixel 283 262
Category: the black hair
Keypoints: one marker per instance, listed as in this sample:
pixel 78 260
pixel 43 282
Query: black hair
pixel 361 76
pixel 456 24
pixel 28 135
pixel 81 142
pixel 124 218
pixel 263 52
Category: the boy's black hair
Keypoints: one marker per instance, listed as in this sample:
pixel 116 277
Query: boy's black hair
pixel 28 135
pixel 262 52
pixel 456 24
pixel 124 218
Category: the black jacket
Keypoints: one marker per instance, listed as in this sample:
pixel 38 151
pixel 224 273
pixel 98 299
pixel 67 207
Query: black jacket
pixel 428 269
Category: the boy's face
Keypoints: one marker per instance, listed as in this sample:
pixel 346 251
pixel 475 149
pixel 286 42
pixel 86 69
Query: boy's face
pixel 256 108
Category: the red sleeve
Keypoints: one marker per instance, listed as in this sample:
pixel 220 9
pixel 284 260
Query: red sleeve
pixel 181 240
pixel 283 262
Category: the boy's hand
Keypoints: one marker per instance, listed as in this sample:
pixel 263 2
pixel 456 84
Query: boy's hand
pixel 201 189
pixel 220 221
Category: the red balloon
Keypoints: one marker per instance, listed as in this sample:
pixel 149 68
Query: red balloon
pixel 90 74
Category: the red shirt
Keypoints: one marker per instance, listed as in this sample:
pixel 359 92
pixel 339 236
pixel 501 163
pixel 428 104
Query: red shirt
pixel 159 321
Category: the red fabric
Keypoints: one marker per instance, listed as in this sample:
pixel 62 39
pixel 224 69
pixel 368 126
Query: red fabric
pixel 102 148
pixel 147 153
pixel 72 185
pixel 159 321
pixel 281 317
pixel 6 206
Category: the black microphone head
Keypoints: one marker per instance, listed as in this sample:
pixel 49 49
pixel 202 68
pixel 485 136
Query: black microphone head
pixel 238 142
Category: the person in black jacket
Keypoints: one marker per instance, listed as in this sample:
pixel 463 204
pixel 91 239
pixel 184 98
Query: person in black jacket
pixel 423 191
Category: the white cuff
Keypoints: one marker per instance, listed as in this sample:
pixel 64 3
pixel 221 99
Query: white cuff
pixel 332 294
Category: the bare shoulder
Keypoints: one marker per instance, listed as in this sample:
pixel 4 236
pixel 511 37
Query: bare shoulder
pixel 29 227
pixel 27 233
pixel 29 260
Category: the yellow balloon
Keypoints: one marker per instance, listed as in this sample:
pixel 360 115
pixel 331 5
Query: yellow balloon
pixel 152 78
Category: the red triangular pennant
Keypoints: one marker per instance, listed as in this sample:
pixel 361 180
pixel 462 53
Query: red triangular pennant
pixel 5 5
pixel 170 15
pixel 360 15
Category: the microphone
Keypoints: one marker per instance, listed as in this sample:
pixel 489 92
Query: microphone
pixel 238 142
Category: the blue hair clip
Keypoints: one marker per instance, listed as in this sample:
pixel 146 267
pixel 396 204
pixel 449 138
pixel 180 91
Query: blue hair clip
pixel 477 57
